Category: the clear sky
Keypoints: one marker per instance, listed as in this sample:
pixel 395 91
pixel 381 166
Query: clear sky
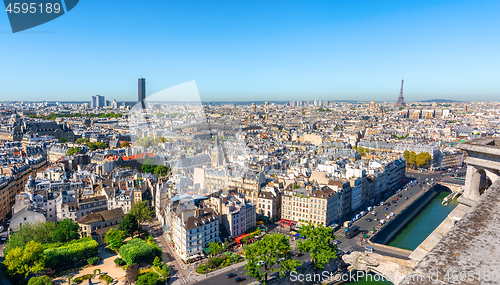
pixel 258 50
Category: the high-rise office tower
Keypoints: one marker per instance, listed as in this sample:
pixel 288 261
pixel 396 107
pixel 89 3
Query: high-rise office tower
pixel 97 101
pixel 142 92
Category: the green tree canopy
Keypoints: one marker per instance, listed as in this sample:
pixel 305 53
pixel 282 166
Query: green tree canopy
pixel 82 141
pixel 67 230
pixel 23 262
pixel 148 165
pixel 129 225
pixel 142 212
pixel 266 253
pixel 114 239
pixel 42 280
pixel 74 150
pixel 161 170
pixel 318 243
pixel 44 233
pixel 125 144
pixel 422 159
pixel 63 140
pixel 215 248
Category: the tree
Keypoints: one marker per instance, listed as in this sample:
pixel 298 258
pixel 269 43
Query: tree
pixel 142 212
pixel 114 239
pixel 74 150
pixel 131 274
pixel 406 155
pixel 67 230
pixel 215 248
pixel 412 159
pixel 69 280
pixel 148 165
pixel 266 253
pixel 101 145
pixel 318 244
pixel 422 159
pixel 125 144
pixel 82 141
pixel 149 278
pixel 161 170
pixel 129 225
pixel 63 140
pixel 23 262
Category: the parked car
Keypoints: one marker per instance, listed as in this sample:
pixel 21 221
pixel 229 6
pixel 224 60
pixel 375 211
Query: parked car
pixel 374 213
pixel 231 275
pixel 336 241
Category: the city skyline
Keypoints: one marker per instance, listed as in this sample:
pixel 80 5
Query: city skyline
pixel 276 51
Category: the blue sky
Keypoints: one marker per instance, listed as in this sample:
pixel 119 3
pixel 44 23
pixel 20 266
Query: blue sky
pixel 258 50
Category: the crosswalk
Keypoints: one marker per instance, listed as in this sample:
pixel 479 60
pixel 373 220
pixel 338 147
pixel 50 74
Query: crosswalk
pixel 185 280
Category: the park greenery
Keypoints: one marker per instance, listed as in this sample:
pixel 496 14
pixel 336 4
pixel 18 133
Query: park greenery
pixel 318 243
pixel 115 239
pixel 270 254
pixel 53 116
pixel 136 251
pixel 217 262
pixel 46 233
pixel 34 257
pixel 416 160
pixel 42 280
pixel 74 250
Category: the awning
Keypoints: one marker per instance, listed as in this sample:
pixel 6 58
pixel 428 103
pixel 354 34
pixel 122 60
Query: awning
pixel 206 250
pixel 238 239
pixel 265 218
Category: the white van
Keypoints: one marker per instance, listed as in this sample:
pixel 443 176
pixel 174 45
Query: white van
pixel 368 249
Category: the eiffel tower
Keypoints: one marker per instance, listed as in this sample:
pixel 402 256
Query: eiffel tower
pixel 401 99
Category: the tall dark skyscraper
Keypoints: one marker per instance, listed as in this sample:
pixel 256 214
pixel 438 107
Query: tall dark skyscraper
pixel 142 92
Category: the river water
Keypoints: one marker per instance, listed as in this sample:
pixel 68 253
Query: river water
pixel 423 224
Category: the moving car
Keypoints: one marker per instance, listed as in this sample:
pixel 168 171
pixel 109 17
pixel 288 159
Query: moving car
pixel 406 197
pixel 385 208
pixel 299 254
pixel 369 219
pixel 239 279
pixel 231 275
pixel 368 249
